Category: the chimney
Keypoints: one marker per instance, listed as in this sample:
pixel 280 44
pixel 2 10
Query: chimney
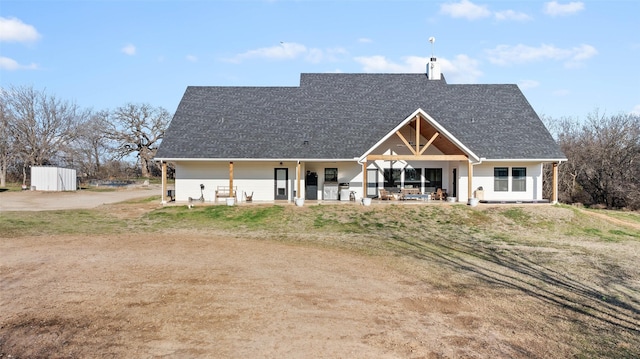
pixel 433 67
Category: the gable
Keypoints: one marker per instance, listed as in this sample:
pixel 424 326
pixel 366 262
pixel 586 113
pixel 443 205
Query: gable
pixel 418 133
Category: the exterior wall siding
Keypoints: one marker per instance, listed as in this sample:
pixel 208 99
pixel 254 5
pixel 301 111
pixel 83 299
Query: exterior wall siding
pixel 258 178
pixel 483 176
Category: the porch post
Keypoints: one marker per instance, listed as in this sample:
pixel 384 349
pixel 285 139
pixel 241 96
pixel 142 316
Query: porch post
pixel 231 192
pixel 364 179
pixel 554 195
pixel 470 181
pixel 418 133
pixel 164 183
pixel 298 180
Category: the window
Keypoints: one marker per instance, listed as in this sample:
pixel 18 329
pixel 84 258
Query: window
pixel 412 177
pixel 519 179
pixel 392 178
pixel 501 179
pixel 433 177
pixel 331 175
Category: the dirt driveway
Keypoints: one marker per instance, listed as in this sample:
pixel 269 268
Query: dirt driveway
pixel 45 201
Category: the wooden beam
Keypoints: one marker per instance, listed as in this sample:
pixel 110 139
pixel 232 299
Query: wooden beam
pixel 364 179
pixel 433 138
pixel 164 182
pixel 231 192
pixel 417 158
pixel 554 195
pixel 406 142
pixel 418 133
pixel 298 193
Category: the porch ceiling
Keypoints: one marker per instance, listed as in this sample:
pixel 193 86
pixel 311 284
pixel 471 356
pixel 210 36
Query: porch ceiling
pixel 441 142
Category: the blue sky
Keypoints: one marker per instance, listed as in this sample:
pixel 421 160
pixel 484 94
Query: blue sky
pixel 570 58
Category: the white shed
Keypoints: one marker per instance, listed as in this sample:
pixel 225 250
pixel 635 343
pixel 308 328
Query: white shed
pixel 45 178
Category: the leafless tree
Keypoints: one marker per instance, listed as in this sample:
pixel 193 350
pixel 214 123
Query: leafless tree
pixel 6 140
pixel 137 129
pixel 92 147
pixel 42 126
pixel 603 160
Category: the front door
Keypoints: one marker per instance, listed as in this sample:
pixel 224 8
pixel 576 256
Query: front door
pixel 455 182
pixel 372 183
pixel 281 184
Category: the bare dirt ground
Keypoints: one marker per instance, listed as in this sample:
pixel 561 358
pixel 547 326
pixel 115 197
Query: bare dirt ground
pixel 197 294
pixel 202 296
pixel 44 200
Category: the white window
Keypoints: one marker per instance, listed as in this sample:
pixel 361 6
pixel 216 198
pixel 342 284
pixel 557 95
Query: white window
pixel 501 179
pixel 519 179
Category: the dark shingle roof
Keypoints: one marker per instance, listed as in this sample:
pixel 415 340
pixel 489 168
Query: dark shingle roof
pixel 343 115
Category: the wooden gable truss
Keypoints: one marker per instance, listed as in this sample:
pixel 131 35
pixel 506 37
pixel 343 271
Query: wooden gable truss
pixel 418 146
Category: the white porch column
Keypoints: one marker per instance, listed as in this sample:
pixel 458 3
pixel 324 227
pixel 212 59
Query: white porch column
pixel 298 193
pixel 470 181
pixel 554 195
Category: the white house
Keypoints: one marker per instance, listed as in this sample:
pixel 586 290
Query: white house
pixel 357 134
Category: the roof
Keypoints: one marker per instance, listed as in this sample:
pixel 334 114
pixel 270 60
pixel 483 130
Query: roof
pixel 341 116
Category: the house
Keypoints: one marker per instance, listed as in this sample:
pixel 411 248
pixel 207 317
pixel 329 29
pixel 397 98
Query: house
pixel 338 135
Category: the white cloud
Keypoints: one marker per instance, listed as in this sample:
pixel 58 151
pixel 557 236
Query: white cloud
pixel 470 11
pixel 511 15
pixel 290 51
pixel 528 84
pixel 380 64
pixel 129 50
pixel 572 57
pixel 192 58
pixel 316 56
pixel 462 69
pixel 553 8
pixel 12 65
pixel 14 30
pixel 465 9
pixel 286 50
pixel 365 40
pixel 636 110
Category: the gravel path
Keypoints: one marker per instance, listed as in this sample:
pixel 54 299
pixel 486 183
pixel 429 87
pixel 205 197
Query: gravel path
pixel 45 201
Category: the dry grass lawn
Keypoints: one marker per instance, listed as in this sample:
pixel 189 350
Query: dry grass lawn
pixel 326 281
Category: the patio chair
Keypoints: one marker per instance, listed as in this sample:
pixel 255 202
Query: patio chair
pixel 439 194
pixel 385 195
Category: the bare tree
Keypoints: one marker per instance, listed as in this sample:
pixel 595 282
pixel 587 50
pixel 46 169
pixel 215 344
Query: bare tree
pixel 137 129
pixel 6 140
pixel 610 150
pixel 42 126
pixel 93 148
pixel 603 160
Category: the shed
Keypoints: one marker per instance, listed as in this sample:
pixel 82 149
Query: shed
pixel 47 178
